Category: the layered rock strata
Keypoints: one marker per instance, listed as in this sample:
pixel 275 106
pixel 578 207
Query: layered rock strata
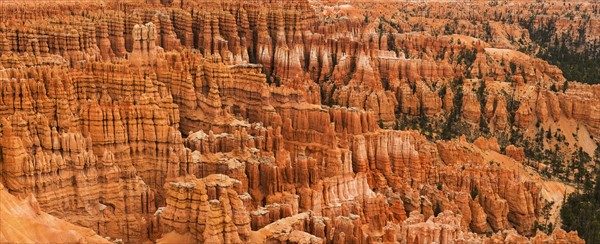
pixel 261 122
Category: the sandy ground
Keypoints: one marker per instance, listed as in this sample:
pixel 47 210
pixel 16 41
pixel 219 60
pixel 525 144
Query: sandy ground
pixel 22 221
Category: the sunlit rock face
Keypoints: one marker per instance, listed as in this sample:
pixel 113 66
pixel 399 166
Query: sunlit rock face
pixel 274 122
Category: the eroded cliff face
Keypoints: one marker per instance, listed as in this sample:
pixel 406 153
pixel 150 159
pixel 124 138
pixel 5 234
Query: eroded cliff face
pixel 23 221
pixel 261 122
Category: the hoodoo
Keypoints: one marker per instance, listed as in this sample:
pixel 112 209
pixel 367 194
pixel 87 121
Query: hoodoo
pixel 299 121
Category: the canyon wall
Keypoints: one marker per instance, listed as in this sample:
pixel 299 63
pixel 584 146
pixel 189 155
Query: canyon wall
pixel 271 121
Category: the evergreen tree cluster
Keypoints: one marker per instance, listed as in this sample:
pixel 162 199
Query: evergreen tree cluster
pixel 581 212
pixel 581 66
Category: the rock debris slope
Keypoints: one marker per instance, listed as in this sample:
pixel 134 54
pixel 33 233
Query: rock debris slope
pixel 24 222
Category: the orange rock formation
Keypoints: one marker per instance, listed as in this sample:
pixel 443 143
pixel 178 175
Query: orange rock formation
pixel 260 121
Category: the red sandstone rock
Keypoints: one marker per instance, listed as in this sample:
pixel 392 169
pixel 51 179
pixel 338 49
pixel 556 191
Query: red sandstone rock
pixel 515 152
